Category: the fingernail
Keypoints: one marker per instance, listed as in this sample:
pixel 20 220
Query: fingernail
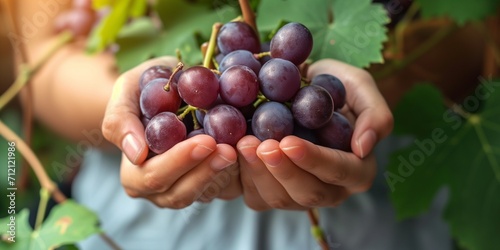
pixel 200 152
pixel 366 142
pixel 131 147
pixel 294 152
pixel 271 158
pixel 249 153
pixel 220 162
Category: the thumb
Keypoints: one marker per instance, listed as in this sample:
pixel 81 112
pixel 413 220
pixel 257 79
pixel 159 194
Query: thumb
pixel 121 124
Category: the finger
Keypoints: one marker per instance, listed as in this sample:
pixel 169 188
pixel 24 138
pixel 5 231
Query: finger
pixel 247 147
pixel 374 119
pixel 330 165
pixel 121 124
pixel 304 188
pixel 268 189
pixel 160 172
pixel 206 180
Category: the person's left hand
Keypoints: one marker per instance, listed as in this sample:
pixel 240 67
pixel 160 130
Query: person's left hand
pixel 297 174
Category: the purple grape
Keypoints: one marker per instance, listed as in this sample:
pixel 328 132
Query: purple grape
pixel 154 72
pixel 272 120
pixel 336 134
pixel 305 133
pixel 225 124
pixel 292 42
pixel 312 107
pixel 279 80
pixel 334 86
pixel 237 36
pixel 196 132
pixel 154 99
pixel 144 120
pixel 164 130
pixel 239 86
pixel 198 87
pixel 240 57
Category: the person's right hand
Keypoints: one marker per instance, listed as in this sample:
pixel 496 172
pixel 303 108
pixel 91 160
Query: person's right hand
pixel 194 169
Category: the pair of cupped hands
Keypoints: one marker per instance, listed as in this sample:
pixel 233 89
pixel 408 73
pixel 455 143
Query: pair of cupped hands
pixel 288 174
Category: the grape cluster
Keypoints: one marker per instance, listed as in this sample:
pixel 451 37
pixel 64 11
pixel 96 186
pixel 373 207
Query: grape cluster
pixel 254 89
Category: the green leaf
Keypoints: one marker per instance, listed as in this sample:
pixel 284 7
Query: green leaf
pixel 349 32
pixel 67 223
pixel 461 154
pixel 18 239
pixel 108 29
pixel 461 11
pixel 142 40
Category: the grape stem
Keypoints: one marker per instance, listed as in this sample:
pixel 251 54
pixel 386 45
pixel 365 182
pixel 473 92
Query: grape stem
pixel 211 45
pixel 179 66
pixel 248 15
pixel 316 229
pixel 260 99
pixel 188 109
pixel 262 54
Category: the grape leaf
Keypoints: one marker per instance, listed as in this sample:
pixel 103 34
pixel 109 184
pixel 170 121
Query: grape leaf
pixel 21 238
pixel 349 32
pixel 461 11
pixel 67 223
pixel 142 40
pixel 460 154
pixel 106 32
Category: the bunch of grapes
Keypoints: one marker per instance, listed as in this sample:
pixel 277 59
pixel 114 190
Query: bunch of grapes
pixel 252 88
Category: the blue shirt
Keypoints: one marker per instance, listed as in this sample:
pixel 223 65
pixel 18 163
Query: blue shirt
pixel 364 221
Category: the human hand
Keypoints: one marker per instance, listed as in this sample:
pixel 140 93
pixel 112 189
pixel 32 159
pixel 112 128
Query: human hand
pixel 194 169
pixel 297 174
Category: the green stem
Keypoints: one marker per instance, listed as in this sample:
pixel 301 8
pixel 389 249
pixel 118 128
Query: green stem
pixel 262 54
pixel 211 45
pixel 260 99
pixel 397 65
pixel 186 111
pixel 42 207
pixel 27 72
pixel 179 66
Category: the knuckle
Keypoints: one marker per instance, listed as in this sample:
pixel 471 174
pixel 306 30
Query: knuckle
pixel 337 176
pixel 152 183
pixel 109 126
pixel 278 203
pixel 173 202
pixel 257 206
pixel 311 199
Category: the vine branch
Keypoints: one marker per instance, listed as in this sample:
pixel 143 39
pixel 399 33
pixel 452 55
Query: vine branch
pixel 26 72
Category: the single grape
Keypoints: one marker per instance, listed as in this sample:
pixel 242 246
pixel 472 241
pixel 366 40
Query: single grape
pixel 225 124
pixel 336 134
pixel 154 72
pixel 305 133
pixel 312 107
pixel 196 132
pixel 292 42
pixel 239 86
pixel 334 86
pixel 279 80
pixel 154 99
pixel 265 47
pixel 198 87
pixel 240 57
pixel 164 131
pixel 237 36
pixel 272 120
